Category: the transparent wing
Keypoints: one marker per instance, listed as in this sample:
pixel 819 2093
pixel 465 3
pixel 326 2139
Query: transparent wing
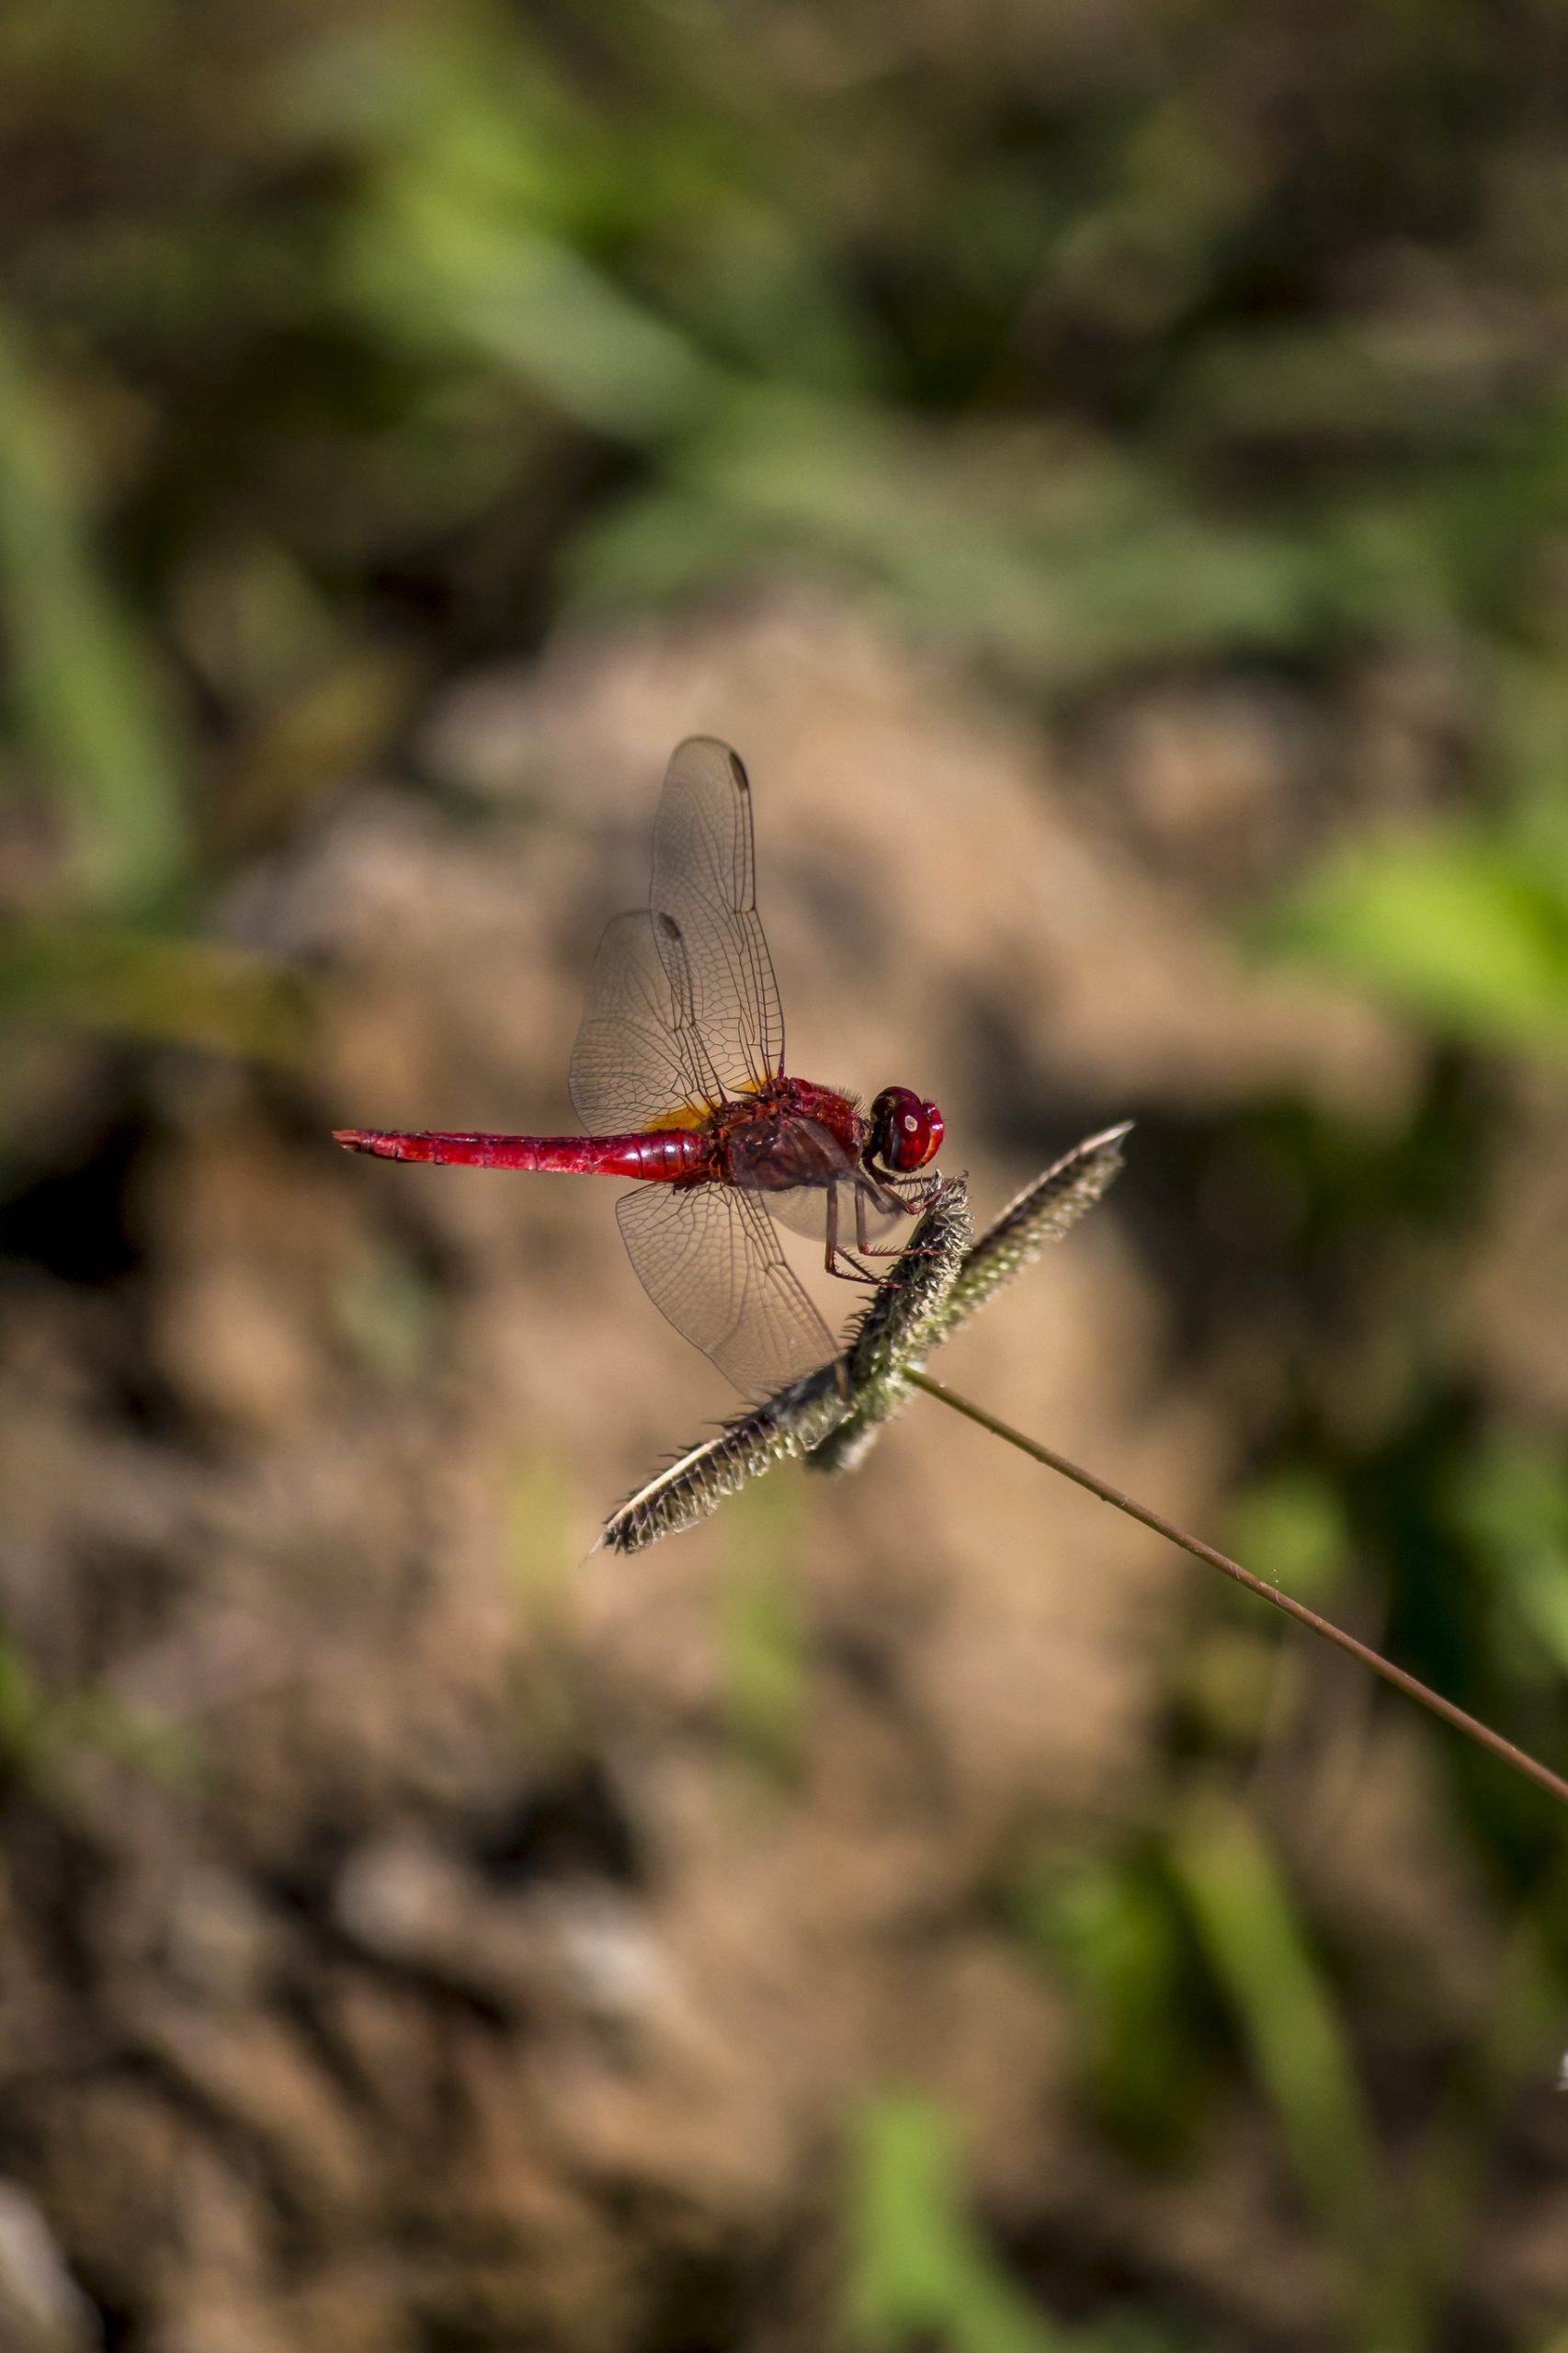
pixel 803 1209
pixel 634 1061
pixel 704 882
pixel 709 1261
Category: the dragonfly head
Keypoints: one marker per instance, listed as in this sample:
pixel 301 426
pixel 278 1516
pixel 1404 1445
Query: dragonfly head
pixel 905 1132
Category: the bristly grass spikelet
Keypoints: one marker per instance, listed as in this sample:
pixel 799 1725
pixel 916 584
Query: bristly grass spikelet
pixel 1040 1214
pixel 899 1328
pixel 896 1333
pixel 856 1387
pixel 697 1482
pixel 833 1416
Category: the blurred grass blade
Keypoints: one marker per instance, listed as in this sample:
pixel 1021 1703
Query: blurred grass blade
pixel 764 1639
pixel 1295 1521
pixel 23 1711
pixel 1259 1950
pixel 1467 931
pixel 82 685
pixel 42 1729
pixel 918 2269
pixel 464 238
pixel 170 991
pixel 1516 2044
pixel 1118 1931
pixel 530 305
pixel 1508 1500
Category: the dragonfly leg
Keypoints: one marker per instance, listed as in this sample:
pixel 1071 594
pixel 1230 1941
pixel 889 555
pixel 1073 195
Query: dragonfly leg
pixel 926 1198
pixel 848 1271
pixel 845 1263
pixel 888 1198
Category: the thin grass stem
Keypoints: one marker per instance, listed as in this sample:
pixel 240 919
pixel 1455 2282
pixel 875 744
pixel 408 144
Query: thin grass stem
pixel 1471 1727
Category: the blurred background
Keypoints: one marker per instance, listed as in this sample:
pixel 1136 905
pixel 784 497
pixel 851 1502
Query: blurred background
pixel 1107 469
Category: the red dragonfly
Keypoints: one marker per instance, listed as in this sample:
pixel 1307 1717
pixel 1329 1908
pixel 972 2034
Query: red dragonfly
pixel 678 1077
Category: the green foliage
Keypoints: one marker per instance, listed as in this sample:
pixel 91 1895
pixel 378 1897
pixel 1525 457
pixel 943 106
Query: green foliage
pixel 144 985
pixel 93 711
pixel 82 680
pixel 388 1312
pixel 1509 1500
pixel 44 1731
pixel 1466 930
pixel 1263 1957
pixel 763 1657
pixel 541 1523
pixel 919 2270
pixel 989 346
pixel 1115 1927
pixel 1291 1524
pixel 1162 1943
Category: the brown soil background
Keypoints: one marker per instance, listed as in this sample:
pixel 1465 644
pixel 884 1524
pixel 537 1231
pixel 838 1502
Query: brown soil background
pixel 458 1965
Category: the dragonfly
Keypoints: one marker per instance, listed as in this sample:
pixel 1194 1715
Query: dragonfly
pixel 678 1077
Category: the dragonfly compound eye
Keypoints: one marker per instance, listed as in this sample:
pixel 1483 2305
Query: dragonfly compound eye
pixel 905 1132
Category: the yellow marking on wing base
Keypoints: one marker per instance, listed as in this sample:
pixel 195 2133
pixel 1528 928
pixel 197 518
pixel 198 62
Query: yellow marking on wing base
pixel 697 1114
pixel 685 1115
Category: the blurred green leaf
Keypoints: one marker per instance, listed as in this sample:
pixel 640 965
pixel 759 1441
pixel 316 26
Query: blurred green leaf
pixel 386 1310
pixel 1461 929
pixel 84 685
pixel 1059 564
pixel 1510 1500
pixel 23 1712
pixel 1516 2042
pixel 918 2269
pixel 1291 1527
pixel 762 1636
pixel 147 1740
pixel 41 1729
pixel 432 264
pixel 542 1520
pixel 1116 1926
pixel 473 230
pixel 1263 1957
pixel 169 990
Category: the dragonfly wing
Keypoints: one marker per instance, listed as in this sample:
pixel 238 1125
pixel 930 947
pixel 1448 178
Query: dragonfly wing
pixel 632 1063
pixel 709 1261
pixel 803 1209
pixel 705 883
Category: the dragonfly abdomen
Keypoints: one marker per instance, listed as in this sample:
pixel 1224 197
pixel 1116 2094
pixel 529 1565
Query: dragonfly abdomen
pixel 663 1155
